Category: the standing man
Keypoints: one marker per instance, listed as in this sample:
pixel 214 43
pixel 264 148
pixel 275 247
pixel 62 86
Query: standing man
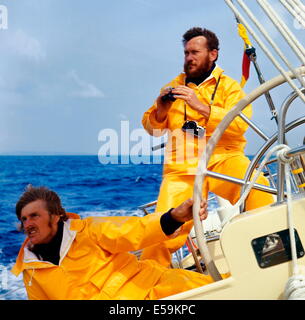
pixel 189 109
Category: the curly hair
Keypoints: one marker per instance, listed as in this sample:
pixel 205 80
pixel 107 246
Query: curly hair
pixel 52 200
pixel 212 40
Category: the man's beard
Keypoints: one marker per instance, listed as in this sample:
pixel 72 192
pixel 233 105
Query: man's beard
pixel 200 70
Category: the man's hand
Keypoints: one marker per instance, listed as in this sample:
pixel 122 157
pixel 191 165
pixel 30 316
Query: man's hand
pixel 189 96
pixel 184 213
pixel 163 106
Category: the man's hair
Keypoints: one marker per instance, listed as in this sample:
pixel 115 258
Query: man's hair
pixel 212 40
pixel 51 199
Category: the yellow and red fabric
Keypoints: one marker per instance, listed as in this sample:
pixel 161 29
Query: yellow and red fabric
pixel 246 60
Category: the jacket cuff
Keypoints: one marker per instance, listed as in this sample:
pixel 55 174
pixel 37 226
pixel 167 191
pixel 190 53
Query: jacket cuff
pixel 156 124
pixel 168 224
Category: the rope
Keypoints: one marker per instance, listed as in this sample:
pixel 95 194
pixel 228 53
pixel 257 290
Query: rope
pixel 295 287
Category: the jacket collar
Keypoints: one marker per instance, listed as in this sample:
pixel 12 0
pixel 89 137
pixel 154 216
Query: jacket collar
pixel 26 259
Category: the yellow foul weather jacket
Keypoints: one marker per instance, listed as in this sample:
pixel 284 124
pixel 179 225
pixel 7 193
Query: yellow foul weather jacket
pixel 95 263
pixel 183 149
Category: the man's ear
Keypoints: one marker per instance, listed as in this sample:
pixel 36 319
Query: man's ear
pixel 55 218
pixel 213 54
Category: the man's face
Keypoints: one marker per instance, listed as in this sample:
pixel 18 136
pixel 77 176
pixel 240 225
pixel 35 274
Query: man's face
pixel 197 57
pixel 38 224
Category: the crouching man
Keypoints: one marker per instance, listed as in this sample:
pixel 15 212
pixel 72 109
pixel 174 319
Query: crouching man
pixel 65 257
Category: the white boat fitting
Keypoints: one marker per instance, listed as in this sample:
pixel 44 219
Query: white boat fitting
pixel 246 263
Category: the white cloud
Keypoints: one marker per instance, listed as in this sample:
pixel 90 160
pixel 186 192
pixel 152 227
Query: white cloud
pixel 25 45
pixel 85 89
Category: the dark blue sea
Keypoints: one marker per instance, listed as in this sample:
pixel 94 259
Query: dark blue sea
pixel 85 186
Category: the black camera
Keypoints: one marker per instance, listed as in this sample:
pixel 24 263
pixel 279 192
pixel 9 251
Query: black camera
pixel 192 127
pixel 169 96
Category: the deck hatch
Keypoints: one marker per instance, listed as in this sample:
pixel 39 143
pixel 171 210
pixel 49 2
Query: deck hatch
pixel 274 248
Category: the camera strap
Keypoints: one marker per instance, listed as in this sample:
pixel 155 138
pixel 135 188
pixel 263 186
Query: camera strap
pixel 214 93
pixel 211 101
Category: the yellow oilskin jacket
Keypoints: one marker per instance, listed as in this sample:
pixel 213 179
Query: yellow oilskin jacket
pixel 95 263
pixel 183 149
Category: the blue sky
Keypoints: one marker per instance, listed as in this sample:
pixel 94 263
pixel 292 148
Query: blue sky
pixel 70 69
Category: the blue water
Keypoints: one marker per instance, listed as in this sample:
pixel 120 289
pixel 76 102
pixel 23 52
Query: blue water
pixel 85 186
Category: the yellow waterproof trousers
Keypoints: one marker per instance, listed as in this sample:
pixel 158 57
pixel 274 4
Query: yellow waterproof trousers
pixel 177 188
pixel 174 281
